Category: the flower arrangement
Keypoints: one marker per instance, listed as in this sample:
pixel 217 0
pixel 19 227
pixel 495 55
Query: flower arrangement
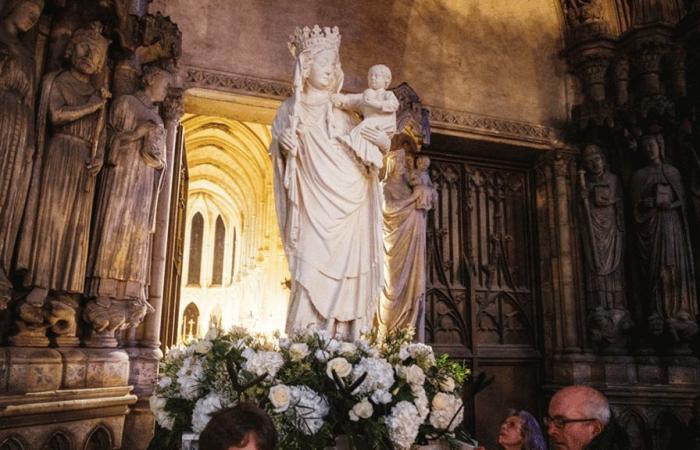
pixel 386 393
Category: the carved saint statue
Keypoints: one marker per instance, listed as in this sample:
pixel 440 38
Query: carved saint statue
pixel 328 203
pixel 54 244
pixel 16 128
pixel 406 204
pixel 663 241
pixel 604 240
pixel 125 211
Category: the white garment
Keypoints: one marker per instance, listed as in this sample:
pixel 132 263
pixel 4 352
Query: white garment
pixel 329 212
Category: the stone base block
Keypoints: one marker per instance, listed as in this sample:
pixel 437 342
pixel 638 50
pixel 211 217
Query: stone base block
pixel 74 368
pixel 80 418
pixel 31 370
pixel 106 368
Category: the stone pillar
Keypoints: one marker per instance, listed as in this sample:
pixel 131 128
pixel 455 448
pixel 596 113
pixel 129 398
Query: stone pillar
pixel 145 357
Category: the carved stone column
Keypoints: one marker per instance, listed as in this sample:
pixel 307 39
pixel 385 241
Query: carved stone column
pixel 563 307
pixel 144 359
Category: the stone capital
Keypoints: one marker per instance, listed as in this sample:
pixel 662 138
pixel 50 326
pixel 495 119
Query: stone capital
pixel 174 106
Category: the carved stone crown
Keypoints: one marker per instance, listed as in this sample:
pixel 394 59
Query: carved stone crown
pixel 305 38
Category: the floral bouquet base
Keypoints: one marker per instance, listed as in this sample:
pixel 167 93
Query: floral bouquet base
pixel 391 393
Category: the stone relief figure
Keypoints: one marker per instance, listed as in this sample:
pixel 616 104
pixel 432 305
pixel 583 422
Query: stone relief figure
pixel 663 241
pixel 604 242
pixel 16 128
pixel 54 244
pixel 405 209
pixel 328 203
pixel 378 108
pixel 118 269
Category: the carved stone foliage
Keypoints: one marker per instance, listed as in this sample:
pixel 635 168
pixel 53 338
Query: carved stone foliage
pixel 480 269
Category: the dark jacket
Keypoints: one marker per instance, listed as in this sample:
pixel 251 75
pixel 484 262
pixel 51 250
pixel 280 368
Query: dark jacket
pixel 613 437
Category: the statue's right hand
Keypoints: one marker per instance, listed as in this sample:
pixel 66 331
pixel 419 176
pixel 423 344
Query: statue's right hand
pixel 97 102
pixel 289 142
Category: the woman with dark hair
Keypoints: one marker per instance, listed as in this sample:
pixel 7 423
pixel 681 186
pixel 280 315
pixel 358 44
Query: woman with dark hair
pixel 520 431
pixel 242 427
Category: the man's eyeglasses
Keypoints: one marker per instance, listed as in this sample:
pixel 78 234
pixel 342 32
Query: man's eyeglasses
pixel 561 422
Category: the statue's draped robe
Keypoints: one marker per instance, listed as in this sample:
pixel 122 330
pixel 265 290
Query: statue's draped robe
pixel 16 144
pixel 126 201
pixel 403 296
pixel 54 242
pixel 329 211
pixel 664 241
pixel 605 254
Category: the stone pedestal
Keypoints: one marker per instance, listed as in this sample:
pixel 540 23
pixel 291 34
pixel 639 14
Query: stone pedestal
pixel 106 368
pixel 30 370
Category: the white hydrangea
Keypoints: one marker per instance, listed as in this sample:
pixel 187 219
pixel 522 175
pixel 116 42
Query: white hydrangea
pixel 164 419
pixel 189 377
pixel 381 397
pixel 284 343
pixel 421 402
pixel 445 408
pixel 321 355
pixel 203 410
pixel 309 407
pixel 264 363
pixel 422 354
pixel 165 382
pixel 380 375
pixel 403 423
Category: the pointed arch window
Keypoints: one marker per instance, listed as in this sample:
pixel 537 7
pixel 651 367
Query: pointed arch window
pixel 190 323
pixel 219 246
pixel 233 254
pixel 194 273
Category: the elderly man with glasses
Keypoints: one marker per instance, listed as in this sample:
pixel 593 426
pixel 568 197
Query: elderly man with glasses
pixel 580 419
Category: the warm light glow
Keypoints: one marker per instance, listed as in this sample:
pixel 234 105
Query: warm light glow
pixel 230 176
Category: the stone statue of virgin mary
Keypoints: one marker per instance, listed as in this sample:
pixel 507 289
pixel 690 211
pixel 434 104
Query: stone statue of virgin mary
pixel 328 202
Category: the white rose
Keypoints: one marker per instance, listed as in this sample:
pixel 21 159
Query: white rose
pixel 202 347
pixel 333 346
pixel 441 401
pixel 341 366
pixel 363 409
pixel 347 348
pixel 298 351
pixel 448 384
pixel 279 397
pixel 415 375
pixel 353 416
pixel 403 352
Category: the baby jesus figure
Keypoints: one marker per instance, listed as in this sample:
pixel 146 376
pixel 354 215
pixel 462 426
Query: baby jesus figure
pixel 424 193
pixel 378 108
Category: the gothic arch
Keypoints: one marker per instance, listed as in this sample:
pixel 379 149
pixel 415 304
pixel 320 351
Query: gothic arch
pixel 13 443
pixel 217 276
pixel 100 438
pixel 59 440
pixel 194 271
pixel 190 322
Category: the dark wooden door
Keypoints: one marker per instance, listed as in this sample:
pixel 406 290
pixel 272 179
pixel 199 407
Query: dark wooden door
pixel 482 298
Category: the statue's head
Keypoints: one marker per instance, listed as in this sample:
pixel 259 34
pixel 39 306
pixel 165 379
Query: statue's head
pixel 156 81
pixel 593 159
pixel 422 163
pixel 379 77
pixel 23 14
pixel 87 49
pixel 652 146
pixel 317 60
